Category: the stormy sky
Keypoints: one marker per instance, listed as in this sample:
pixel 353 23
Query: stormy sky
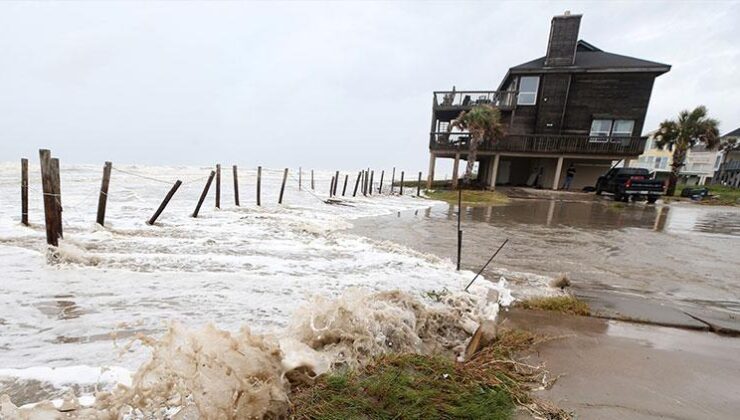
pixel 324 85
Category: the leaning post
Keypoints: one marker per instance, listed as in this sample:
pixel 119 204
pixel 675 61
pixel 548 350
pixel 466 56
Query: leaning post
pixel 336 183
pixel 344 189
pixel 103 196
pixel 24 191
pixel 282 187
pixel 166 201
pixel 204 193
pixel 357 183
pixel 331 186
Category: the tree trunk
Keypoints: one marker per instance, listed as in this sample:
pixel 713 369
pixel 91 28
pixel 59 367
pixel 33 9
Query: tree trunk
pixel 679 156
pixel 472 156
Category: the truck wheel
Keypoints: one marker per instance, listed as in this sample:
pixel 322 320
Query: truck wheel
pixel 598 191
pixel 626 198
pixel 652 199
pixel 617 197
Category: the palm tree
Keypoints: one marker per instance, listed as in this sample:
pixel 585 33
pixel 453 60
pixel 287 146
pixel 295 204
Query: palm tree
pixel 691 128
pixel 483 122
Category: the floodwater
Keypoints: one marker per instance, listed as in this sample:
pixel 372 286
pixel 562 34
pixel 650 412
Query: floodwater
pixel 685 253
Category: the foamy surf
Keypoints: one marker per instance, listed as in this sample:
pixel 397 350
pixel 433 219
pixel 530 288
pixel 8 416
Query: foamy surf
pixel 228 268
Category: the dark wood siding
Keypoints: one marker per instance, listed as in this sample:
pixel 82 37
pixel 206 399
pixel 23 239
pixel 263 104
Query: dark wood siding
pixel 553 94
pixel 607 95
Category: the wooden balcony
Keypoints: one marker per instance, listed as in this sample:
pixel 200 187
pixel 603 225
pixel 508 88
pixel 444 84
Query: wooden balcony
pixel 542 144
pixel 461 100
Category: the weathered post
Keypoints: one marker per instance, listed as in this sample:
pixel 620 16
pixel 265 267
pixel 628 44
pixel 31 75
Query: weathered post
pixel 336 183
pixel 50 213
pixel 401 190
pixel 24 191
pixel 418 186
pixel 370 188
pixel 103 197
pixel 357 183
pixel 459 230
pixel 236 187
pixel 57 191
pixel 380 187
pixel 204 193
pixel 259 184
pixel 312 184
pixel 367 181
pixel 166 201
pixel 331 186
pixel 282 187
pixel 300 178
pixel 218 186
pixel 393 179
pixel 344 189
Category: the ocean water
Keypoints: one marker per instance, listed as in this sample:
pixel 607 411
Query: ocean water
pixel 121 294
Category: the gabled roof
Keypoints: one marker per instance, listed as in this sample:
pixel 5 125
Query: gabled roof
pixel 733 133
pixel 591 58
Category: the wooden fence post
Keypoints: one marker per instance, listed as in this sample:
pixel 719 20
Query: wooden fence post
pixel 282 187
pixel 236 187
pixel 300 178
pixel 336 183
pixel 312 184
pixel 331 186
pixel 370 188
pixel 103 197
pixel 57 191
pixel 204 193
pixel 166 200
pixel 367 181
pixel 357 183
pixel 24 191
pixel 401 191
pixel 218 186
pixel 259 185
pixel 50 212
pixel 344 189
pixel 380 187
pixel 393 179
pixel 418 186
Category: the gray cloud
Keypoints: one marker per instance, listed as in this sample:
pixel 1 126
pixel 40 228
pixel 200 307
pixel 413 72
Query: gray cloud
pixel 321 85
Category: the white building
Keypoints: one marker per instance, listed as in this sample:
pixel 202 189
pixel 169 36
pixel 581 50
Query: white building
pixel 699 166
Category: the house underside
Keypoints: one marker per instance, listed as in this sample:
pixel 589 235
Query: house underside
pixel 531 170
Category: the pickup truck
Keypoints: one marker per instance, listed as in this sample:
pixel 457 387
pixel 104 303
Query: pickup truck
pixel 626 183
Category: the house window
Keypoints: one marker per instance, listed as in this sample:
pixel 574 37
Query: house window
pixel 623 128
pixel 528 90
pixel 661 162
pixel 601 129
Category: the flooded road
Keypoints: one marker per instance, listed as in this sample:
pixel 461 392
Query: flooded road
pixel 683 253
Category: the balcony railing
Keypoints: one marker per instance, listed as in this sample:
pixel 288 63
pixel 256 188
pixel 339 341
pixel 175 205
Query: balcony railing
pixel 541 143
pixel 469 98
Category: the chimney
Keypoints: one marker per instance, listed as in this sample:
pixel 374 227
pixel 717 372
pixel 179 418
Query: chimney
pixel 561 49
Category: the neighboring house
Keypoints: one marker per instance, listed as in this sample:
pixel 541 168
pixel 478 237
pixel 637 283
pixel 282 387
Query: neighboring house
pixel 655 159
pixel 577 105
pixel 699 166
pixel 728 172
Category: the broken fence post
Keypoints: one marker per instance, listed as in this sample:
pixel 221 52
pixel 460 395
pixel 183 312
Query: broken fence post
pixel 357 183
pixel 103 196
pixel 486 265
pixel 282 187
pixel 204 193
pixel 236 187
pixel 166 200
pixel 24 191
pixel 259 185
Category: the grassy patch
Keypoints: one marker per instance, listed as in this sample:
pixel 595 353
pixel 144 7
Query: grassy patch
pixel 469 197
pixel 412 386
pixel 723 196
pixel 563 304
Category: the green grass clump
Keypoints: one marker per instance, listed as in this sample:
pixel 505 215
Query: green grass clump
pixel 563 304
pixel 407 386
pixel 469 197
pixel 722 195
